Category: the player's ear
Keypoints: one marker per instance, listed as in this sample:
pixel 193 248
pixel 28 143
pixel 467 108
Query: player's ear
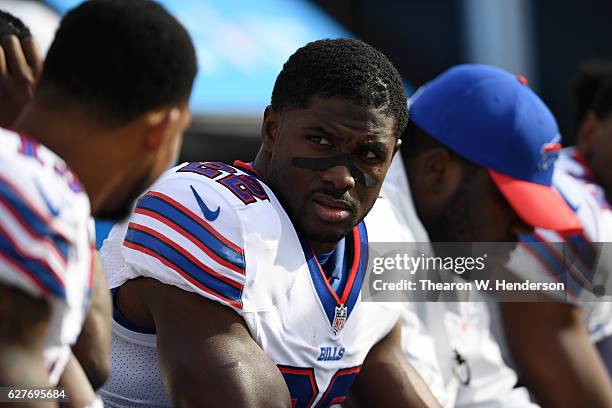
pixel 439 172
pixel 160 125
pixel 586 132
pixel 434 177
pixel 270 127
pixel 398 144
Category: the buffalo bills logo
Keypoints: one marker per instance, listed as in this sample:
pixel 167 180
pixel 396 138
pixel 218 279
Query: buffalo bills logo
pixel 549 153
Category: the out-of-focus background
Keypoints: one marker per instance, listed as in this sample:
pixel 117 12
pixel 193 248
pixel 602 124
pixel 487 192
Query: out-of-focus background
pixel 242 45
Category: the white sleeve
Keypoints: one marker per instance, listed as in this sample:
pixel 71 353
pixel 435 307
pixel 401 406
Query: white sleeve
pixel 33 251
pixel 186 234
pixel 419 348
pixel 573 260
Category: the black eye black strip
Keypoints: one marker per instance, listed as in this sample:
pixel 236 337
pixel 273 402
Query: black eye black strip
pixel 325 163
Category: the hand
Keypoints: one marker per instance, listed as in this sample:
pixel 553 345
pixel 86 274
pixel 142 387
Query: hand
pixel 20 68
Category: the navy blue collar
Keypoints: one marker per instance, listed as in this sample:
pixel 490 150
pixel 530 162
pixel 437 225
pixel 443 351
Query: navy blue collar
pixel 356 255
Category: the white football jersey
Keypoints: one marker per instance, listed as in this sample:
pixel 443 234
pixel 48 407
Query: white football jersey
pixel 220 232
pixel 46 239
pixel 578 260
pixel 450 343
pixel 451 346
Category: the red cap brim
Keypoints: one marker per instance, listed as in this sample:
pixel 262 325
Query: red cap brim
pixel 539 206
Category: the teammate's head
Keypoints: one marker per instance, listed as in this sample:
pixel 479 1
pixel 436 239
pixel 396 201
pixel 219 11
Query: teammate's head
pixel 121 59
pixel 128 67
pixel 594 138
pixel 455 198
pixel 480 148
pixel 339 102
pixel 11 25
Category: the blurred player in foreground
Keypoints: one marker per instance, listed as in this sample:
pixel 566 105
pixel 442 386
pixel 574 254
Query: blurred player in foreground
pixel 557 337
pixel 239 285
pixel 112 103
pixel 473 171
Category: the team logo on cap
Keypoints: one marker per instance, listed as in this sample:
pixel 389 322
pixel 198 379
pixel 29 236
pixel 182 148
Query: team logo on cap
pixel 549 153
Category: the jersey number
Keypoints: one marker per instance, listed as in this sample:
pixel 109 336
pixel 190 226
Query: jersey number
pixel 303 386
pixel 244 186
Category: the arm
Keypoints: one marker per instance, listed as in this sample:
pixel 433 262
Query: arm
pixel 77 386
pixel 207 356
pixel 388 380
pixel 92 348
pixel 555 356
pixel 23 327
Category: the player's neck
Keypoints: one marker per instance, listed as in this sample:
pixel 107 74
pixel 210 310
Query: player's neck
pixel 322 247
pixel 260 164
pixel 71 137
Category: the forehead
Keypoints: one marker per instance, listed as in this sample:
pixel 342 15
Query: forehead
pixel 341 117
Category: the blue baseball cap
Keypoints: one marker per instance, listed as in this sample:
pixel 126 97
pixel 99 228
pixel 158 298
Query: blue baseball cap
pixel 494 119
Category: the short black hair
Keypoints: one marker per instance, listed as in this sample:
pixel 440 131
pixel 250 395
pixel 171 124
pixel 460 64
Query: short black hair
pixel 11 25
pixel 121 58
pixel 346 68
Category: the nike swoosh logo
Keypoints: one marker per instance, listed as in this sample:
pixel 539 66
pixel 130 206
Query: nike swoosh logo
pixel 208 213
pixel 52 209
